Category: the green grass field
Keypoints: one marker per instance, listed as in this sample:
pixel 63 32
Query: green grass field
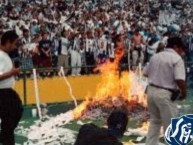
pixel 55 109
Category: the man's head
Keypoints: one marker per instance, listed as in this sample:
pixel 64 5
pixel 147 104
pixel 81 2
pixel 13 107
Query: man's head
pixel 176 44
pixel 136 32
pixel 118 121
pixel 26 33
pixel 9 41
pixel 44 36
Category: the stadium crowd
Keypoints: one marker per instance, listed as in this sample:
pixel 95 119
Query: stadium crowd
pixel 79 35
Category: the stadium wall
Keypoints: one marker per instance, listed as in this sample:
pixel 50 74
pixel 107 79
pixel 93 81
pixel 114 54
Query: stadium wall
pixel 55 90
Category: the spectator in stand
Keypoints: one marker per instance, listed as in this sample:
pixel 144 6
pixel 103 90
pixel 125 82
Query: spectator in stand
pixel 35 50
pixel 76 56
pixel 63 54
pixel 102 48
pixel 45 46
pixel 57 44
pixel 26 56
pixel 89 52
pixel 112 17
pixel 137 52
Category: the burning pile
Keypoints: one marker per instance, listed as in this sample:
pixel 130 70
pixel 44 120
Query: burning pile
pixel 117 90
pixel 125 93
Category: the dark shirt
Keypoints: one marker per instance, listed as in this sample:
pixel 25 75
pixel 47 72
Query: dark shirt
pixel 44 45
pixel 14 54
pixel 90 134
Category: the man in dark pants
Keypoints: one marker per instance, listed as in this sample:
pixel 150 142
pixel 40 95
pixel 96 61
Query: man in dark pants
pixel 10 104
pixel 90 134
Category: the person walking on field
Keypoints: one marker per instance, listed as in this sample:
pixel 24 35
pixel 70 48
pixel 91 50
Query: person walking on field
pixel 166 77
pixel 10 104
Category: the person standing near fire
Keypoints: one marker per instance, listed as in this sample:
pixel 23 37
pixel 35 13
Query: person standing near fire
pixel 166 77
pixel 10 104
pixel 137 52
pixel 119 48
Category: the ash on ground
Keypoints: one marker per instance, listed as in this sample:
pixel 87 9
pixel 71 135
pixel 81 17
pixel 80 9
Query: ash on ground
pixel 101 109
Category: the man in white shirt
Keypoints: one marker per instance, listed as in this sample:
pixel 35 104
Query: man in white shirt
pixel 166 74
pixel 63 55
pixel 11 106
pixel 76 56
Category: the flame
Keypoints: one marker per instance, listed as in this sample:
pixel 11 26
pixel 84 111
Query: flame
pixel 79 109
pixel 115 87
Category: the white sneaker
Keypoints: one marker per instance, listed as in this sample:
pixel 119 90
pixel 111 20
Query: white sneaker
pixel 38 76
pixel 32 76
pixel 78 74
pixel 59 74
pixel 73 75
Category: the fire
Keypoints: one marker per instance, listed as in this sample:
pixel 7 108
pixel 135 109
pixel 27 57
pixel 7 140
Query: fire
pixel 115 88
pixel 79 109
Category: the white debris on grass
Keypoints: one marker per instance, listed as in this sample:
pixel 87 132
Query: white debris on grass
pixel 50 132
pixel 55 136
pixel 139 139
pixel 136 132
pixel 79 122
pixel 21 131
pixel 131 143
pixel 140 132
pixel 144 144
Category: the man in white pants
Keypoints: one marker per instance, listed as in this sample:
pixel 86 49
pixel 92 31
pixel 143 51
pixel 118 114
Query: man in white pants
pixel 63 55
pixel 76 57
pixel 166 73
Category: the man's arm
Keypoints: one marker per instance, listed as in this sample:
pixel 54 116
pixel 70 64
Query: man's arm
pixel 145 70
pixel 182 86
pixel 9 74
pixel 180 75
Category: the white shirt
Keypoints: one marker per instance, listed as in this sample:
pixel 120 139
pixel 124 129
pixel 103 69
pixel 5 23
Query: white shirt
pixel 76 45
pixel 65 44
pixel 152 49
pixel 165 68
pixel 89 44
pixel 165 40
pixel 30 47
pixel 18 31
pixel 111 51
pixel 102 42
pixel 5 66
